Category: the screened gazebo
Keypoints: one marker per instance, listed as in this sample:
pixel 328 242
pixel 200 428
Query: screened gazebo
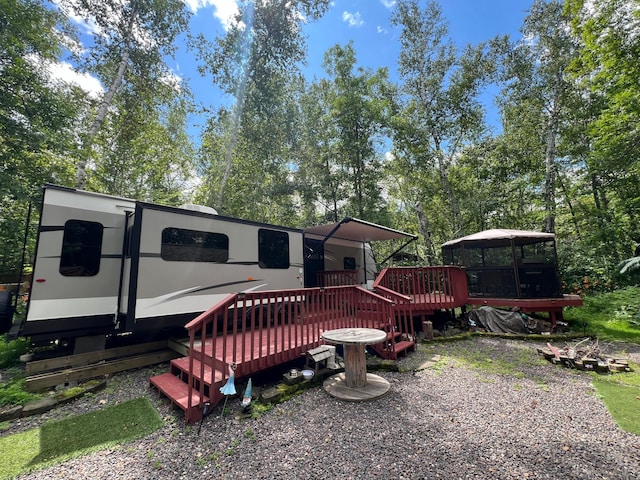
pixel 502 263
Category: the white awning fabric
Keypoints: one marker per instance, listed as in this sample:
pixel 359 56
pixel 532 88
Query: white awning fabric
pixel 358 230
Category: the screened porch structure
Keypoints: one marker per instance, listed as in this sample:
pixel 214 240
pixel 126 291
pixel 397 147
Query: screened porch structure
pixel 504 263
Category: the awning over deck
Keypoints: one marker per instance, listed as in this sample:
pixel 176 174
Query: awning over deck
pixel 358 230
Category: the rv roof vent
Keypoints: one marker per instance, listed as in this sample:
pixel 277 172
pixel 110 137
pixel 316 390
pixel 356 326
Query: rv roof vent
pixel 199 208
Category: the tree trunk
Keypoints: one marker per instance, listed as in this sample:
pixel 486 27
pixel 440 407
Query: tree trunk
pixel 550 174
pixel 457 222
pixel 574 219
pixel 87 143
pixel 425 230
pixel 228 157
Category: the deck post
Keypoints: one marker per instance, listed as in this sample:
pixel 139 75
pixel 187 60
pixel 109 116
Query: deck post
pixel 427 327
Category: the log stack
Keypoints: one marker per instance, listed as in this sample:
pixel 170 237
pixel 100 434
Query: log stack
pixel 587 355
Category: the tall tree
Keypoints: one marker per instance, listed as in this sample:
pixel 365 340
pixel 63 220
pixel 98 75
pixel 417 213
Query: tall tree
pixel 440 113
pixel 359 108
pixel 538 90
pixel 608 67
pixel 257 64
pixel 320 181
pixel 132 39
pixel 147 153
pixel 36 117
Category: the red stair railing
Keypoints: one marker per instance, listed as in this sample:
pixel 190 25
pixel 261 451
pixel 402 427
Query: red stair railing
pixel 438 287
pixel 258 330
pixel 337 278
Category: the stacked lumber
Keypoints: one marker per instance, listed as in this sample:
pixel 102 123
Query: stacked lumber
pixel 586 354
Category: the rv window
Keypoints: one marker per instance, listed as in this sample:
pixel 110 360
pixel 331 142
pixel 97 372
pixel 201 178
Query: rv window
pixel 273 249
pixel 81 248
pixel 180 245
pixel 349 263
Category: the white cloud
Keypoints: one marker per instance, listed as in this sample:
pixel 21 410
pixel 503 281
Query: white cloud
pixel 69 8
pixel 379 29
pixel 64 71
pixel 194 5
pixel 353 19
pixel 388 3
pixel 172 80
pixel 224 10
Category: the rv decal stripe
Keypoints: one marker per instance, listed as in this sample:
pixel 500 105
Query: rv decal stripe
pixel 157 255
pixel 172 296
pixel 242 263
pixel 228 284
pixel 60 228
pixel 51 228
pixel 106 255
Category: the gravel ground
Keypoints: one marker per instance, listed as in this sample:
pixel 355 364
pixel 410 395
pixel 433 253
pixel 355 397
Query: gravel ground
pixel 443 421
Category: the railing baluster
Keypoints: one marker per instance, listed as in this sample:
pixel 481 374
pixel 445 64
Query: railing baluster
pixel 281 325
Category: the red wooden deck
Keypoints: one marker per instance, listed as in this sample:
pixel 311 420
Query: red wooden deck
pixel 260 330
pixel 553 306
pixel 256 349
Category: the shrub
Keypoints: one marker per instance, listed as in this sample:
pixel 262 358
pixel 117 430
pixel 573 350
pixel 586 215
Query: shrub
pixel 10 351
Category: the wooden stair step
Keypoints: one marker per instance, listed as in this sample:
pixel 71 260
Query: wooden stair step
pixel 176 390
pixel 211 376
pixel 404 346
pixel 393 334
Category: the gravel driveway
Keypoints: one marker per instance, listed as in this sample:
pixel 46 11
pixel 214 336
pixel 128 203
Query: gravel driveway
pixel 440 421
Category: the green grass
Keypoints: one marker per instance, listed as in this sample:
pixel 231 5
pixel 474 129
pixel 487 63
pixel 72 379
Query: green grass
pixel 620 393
pixel 609 316
pixel 57 442
pixel 622 401
pixel 489 360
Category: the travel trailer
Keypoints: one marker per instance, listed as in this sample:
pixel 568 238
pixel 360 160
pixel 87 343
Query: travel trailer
pixel 106 265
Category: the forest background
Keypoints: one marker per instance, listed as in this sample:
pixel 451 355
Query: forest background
pixel 416 154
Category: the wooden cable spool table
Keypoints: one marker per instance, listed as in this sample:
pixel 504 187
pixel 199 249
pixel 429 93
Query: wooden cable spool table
pixel 355 384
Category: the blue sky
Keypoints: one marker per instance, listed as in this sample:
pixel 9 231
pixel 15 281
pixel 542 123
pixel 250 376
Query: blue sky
pixel 365 22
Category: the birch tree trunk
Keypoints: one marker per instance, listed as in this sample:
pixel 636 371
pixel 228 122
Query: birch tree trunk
pixel 457 222
pixel 424 228
pixel 550 176
pixel 228 157
pixel 98 121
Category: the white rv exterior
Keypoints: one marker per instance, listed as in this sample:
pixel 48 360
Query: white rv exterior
pixel 107 265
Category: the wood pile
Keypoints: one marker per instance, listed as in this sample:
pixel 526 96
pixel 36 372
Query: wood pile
pixel 586 354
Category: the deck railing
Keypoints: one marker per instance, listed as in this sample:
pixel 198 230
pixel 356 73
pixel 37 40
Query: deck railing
pixel 337 278
pixel 259 330
pixel 440 286
pixel 403 321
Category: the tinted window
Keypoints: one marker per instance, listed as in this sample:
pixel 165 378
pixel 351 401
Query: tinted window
pixel 81 248
pixel 273 249
pixel 181 245
pixel 349 263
